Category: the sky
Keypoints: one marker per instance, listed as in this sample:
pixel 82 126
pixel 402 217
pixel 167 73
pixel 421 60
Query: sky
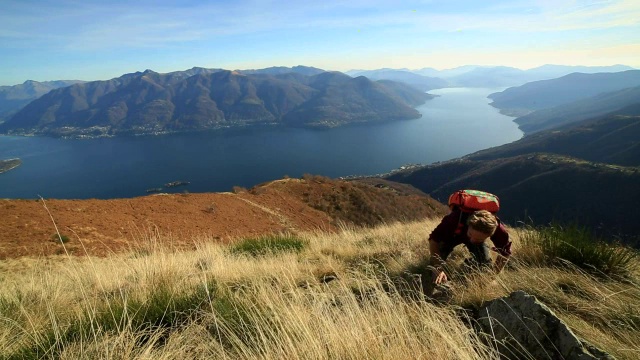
pixel 45 40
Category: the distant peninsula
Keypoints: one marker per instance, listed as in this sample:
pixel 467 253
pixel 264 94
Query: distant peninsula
pixel 6 165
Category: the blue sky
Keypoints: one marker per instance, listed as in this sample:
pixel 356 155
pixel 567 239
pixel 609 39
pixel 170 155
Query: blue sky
pixel 96 40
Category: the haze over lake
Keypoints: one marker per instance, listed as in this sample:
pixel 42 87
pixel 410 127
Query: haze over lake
pixel 457 122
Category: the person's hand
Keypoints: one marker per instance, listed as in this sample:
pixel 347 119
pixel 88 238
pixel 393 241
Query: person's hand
pixel 440 277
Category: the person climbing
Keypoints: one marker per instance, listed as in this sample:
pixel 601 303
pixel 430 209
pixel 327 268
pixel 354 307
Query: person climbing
pixel 469 227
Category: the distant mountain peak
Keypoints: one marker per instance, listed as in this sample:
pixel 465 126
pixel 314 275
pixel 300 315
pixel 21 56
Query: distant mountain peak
pixel 13 98
pixel 281 70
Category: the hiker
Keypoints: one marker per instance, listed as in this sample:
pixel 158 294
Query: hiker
pixel 471 229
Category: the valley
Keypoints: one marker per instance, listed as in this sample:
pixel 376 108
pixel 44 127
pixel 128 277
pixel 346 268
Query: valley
pixel 270 180
pixel 576 143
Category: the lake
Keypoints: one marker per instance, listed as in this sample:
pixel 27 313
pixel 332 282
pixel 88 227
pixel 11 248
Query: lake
pixel 457 122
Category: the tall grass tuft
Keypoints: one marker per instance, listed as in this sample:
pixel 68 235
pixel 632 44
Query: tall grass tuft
pixel 582 248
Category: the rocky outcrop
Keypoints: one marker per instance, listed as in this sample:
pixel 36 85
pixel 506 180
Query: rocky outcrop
pixel 521 327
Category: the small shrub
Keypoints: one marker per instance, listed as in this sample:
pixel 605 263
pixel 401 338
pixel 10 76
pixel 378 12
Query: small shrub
pixel 580 247
pixel 316 178
pixel 210 209
pixel 239 190
pixel 268 245
pixel 60 238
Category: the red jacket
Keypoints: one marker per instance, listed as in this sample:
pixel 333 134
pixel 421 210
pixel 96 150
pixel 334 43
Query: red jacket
pixel 445 232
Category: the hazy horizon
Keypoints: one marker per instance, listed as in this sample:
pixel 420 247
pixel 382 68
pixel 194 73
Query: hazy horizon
pixel 46 40
pixel 383 68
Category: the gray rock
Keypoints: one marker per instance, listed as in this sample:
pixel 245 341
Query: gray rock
pixel 521 327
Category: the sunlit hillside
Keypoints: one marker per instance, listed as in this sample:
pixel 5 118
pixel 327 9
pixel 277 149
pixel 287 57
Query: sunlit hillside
pixel 354 294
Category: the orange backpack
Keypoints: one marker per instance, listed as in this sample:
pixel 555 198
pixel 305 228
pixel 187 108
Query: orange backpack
pixel 472 200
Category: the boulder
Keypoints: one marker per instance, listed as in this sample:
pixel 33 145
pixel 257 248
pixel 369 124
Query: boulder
pixel 521 327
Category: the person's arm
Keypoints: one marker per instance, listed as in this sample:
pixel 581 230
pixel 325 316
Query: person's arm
pixel 442 233
pixel 438 275
pixel 502 245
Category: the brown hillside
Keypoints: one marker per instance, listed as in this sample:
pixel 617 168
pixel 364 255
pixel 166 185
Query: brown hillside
pixel 100 227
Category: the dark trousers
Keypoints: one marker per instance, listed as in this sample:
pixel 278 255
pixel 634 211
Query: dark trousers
pixel 481 254
pixel 481 258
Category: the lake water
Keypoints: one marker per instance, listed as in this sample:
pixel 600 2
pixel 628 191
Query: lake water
pixel 458 122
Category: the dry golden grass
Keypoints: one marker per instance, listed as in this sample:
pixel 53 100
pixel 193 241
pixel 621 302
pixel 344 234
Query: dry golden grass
pixel 350 295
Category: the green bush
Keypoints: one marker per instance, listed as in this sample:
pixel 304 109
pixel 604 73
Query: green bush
pixel 268 245
pixel 62 238
pixel 582 248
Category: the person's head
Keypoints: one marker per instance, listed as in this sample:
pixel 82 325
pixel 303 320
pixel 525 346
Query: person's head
pixel 482 224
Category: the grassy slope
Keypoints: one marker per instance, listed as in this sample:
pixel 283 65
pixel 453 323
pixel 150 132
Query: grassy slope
pixel 361 203
pixel 571 113
pixel 215 302
pixel 612 138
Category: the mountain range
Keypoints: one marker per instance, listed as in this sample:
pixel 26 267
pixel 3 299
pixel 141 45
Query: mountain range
pixel 156 105
pixel 424 83
pixel 280 70
pixel 200 99
pixel 481 76
pixel 549 93
pixel 561 115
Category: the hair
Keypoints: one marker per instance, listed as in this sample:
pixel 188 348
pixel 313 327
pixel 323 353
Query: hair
pixel 483 221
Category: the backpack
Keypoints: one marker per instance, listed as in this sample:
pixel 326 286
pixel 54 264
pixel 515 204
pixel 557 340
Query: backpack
pixel 473 200
pixel 469 201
